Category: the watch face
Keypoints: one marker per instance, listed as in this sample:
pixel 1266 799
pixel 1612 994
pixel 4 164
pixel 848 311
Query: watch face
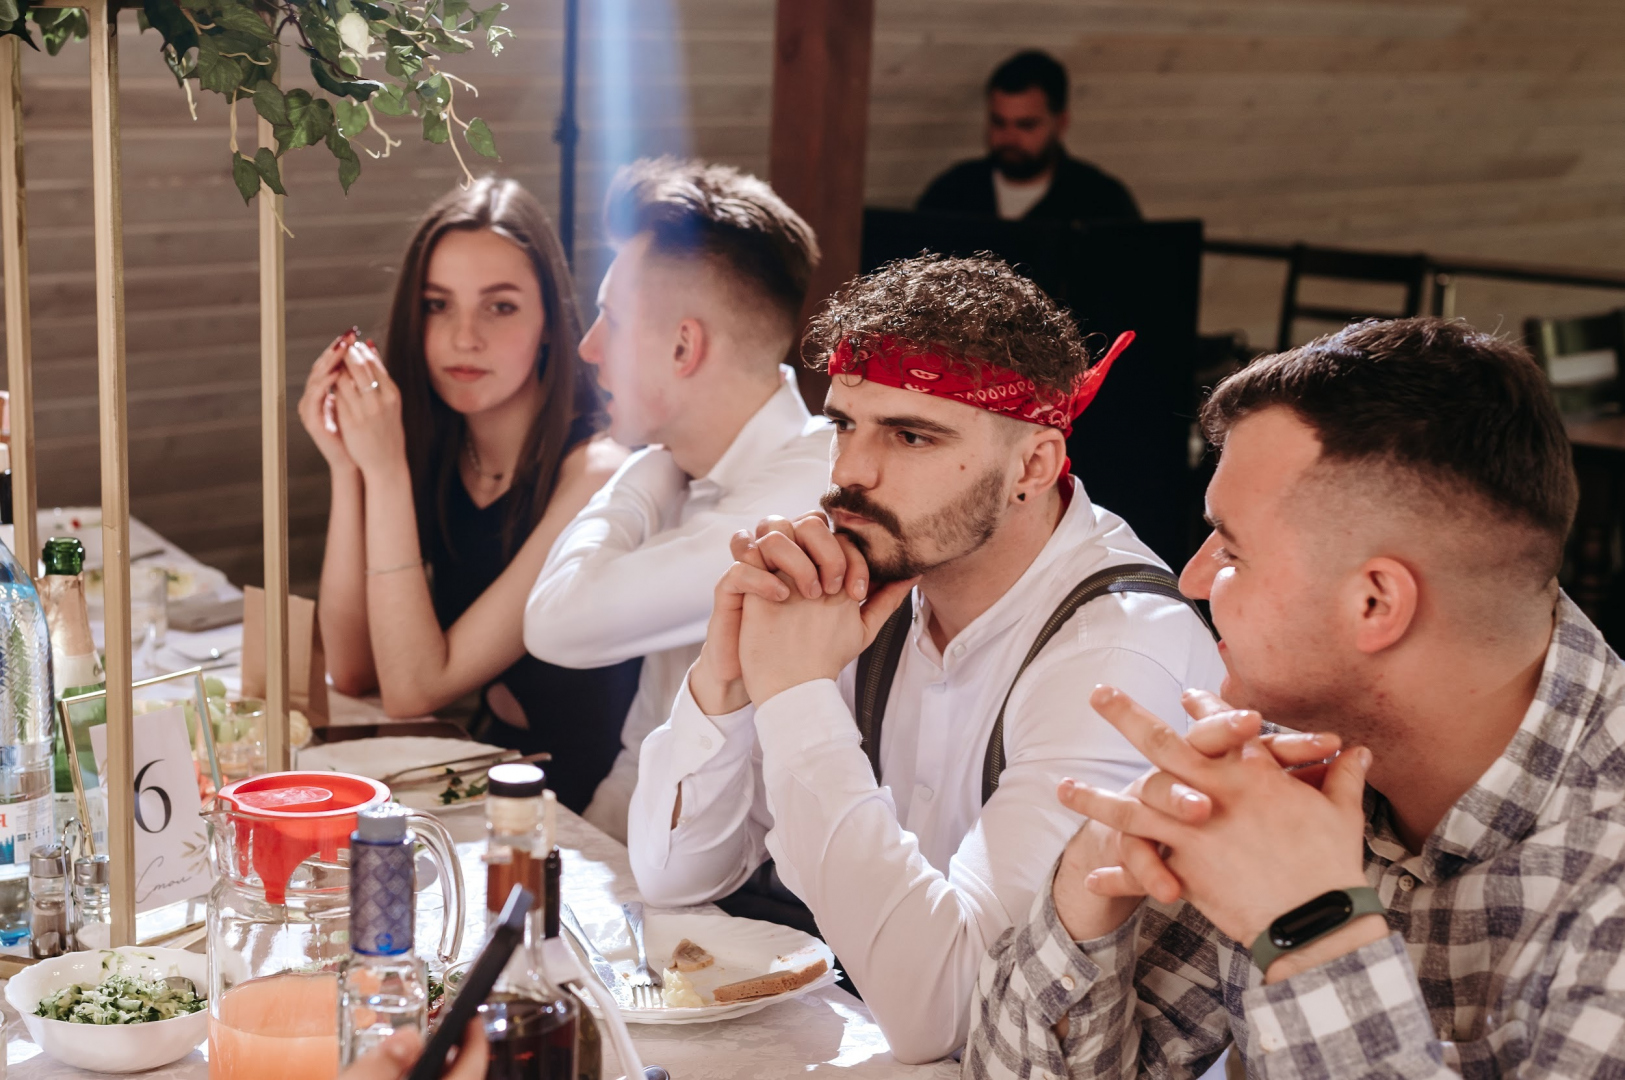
pixel 1319 916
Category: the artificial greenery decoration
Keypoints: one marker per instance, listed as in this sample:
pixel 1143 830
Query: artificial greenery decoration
pixel 231 48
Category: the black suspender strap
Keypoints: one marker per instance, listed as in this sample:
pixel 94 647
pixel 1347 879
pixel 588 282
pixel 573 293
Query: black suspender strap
pixel 877 666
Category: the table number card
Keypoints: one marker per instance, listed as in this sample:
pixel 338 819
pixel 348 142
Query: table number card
pixel 171 842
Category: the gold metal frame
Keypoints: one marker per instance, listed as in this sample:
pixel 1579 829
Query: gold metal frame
pixel 114 427
pixel 76 772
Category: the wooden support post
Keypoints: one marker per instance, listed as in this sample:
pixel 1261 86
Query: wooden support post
pixel 19 343
pixel 274 467
pixel 109 226
pixel 821 59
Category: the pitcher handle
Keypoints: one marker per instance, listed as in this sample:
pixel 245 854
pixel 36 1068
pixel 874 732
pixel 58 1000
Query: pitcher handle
pixel 428 828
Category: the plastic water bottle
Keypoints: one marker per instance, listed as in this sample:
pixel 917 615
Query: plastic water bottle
pixel 27 734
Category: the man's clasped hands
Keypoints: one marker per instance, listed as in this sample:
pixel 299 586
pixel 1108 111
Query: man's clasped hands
pixel 1243 825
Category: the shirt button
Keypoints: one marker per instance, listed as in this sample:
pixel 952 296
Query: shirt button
pixel 1271 1041
pixel 705 742
pixel 1406 883
pixel 1068 983
pixel 926 793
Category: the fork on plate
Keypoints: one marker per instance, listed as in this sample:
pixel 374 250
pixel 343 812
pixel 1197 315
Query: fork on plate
pixel 646 982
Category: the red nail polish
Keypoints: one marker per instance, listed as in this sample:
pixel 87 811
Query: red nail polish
pixel 371 345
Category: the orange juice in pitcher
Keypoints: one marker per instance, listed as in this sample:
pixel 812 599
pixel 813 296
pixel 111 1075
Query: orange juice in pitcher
pixel 278 1026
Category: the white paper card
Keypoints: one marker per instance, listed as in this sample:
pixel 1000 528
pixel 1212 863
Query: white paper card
pixel 171 842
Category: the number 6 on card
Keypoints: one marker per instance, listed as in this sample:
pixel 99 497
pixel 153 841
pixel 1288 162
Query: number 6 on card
pixel 171 842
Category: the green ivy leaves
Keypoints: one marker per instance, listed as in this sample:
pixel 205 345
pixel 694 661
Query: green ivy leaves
pixel 230 48
pixel 479 137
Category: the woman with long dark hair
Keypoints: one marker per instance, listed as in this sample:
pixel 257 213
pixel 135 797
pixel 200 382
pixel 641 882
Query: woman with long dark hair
pixel 458 452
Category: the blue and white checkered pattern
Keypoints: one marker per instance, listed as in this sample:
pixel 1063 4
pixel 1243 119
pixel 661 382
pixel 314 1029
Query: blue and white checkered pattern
pixel 1507 955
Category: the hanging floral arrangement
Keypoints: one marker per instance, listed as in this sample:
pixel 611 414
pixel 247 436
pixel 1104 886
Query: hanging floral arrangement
pixel 368 57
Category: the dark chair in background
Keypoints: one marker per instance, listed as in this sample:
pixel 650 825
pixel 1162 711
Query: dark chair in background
pixel 1583 358
pixel 1410 272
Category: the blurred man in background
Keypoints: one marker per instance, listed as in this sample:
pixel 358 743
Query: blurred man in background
pixel 1027 173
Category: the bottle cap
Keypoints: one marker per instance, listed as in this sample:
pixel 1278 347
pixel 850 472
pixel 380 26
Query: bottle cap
pixel 90 870
pixel 515 781
pixel 47 861
pixel 63 555
pixel 385 824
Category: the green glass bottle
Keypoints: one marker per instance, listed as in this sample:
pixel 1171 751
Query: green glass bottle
pixel 76 668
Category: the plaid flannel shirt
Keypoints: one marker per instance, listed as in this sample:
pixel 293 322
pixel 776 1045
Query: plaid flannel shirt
pixel 1507 955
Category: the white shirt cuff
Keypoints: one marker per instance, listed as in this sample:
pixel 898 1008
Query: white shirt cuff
pixel 806 717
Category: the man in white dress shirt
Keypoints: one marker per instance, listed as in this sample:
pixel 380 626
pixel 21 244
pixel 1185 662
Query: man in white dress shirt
pixel 955 382
pixel 695 314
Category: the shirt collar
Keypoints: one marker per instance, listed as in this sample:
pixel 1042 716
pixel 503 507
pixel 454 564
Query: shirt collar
pixel 1506 803
pixel 782 418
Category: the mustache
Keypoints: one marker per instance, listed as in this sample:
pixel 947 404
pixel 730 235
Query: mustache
pixel 854 501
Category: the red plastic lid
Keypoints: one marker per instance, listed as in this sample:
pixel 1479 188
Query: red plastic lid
pixel 282 819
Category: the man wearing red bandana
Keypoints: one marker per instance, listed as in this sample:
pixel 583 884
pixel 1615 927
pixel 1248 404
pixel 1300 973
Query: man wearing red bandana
pixel 889 692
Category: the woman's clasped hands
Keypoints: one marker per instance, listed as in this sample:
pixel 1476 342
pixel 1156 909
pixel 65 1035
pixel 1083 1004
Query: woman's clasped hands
pixel 352 408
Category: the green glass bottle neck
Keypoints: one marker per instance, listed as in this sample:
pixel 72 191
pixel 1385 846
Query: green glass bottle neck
pixel 63 556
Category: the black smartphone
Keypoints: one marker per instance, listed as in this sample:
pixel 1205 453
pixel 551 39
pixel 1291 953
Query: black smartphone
pixel 476 985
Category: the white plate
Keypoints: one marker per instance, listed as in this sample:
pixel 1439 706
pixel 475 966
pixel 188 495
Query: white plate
pixel 377 758
pixel 744 949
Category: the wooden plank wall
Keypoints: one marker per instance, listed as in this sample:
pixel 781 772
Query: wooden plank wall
pixel 686 79
pixel 1486 128
pixel 1475 128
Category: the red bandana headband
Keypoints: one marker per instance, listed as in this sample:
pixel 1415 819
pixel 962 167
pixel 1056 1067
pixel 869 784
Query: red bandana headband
pixel 931 369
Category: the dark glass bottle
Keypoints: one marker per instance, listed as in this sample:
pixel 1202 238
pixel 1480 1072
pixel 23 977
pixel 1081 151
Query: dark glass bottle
pixel 589 1040
pixel 529 1022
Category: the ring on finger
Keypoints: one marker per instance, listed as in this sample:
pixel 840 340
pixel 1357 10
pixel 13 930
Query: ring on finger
pixel 371 386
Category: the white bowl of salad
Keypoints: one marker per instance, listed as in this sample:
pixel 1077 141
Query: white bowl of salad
pixel 110 1010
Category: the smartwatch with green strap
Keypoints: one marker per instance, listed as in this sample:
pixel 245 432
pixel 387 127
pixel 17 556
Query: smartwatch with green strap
pixel 1308 922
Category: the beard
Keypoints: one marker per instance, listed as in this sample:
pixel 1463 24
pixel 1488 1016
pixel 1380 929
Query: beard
pixel 959 529
pixel 1019 166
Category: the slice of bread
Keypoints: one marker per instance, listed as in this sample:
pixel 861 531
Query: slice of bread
pixel 690 957
pixel 774 982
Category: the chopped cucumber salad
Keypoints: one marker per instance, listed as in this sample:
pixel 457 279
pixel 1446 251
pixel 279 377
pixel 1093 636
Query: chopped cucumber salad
pixel 119 999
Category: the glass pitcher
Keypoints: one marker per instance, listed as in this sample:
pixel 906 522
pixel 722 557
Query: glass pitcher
pixel 279 918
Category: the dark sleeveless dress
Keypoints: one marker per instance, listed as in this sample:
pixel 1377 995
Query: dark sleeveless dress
pixel 575 715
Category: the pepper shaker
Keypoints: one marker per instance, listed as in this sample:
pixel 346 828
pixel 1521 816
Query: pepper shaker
pixel 92 903
pixel 48 901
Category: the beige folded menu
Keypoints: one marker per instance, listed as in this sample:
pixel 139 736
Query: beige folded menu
pixel 307 663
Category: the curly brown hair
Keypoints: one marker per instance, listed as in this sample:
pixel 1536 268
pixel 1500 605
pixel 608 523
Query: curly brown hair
pixel 978 308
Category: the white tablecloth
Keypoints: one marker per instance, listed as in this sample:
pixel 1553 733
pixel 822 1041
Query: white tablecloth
pixel 822 1031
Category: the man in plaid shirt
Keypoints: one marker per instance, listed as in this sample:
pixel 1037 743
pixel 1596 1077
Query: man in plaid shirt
pixel 1389 515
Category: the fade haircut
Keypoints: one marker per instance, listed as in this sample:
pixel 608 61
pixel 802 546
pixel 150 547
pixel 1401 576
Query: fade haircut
pixel 693 210
pixel 1465 414
pixel 1028 69
pixel 978 308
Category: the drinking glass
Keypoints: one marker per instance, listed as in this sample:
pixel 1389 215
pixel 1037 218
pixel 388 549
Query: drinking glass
pixel 149 616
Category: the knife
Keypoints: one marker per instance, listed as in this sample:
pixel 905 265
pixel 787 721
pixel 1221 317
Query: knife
pixel 600 966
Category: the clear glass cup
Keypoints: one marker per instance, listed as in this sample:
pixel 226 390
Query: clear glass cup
pixel 149 616
pixel 239 737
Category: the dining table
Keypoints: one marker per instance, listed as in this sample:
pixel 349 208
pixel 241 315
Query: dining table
pixel 827 1030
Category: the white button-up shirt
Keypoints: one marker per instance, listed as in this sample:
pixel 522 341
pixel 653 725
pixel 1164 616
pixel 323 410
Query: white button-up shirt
pixel 634 573
pixel 912 881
